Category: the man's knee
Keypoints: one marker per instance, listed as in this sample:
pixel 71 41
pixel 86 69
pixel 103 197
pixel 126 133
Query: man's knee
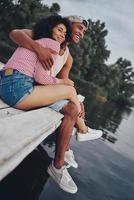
pixel 70 110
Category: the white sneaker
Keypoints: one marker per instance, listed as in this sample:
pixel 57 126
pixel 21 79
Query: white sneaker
pixel 74 131
pixel 91 134
pixel 70 159
pixel 62 178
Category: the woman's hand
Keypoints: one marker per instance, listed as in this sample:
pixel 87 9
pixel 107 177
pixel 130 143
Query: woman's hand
pixel 66 82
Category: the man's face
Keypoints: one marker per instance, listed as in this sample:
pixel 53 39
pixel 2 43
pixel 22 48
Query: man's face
pixel 78 31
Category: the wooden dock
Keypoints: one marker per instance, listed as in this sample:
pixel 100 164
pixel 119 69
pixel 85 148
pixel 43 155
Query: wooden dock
pixel 21 132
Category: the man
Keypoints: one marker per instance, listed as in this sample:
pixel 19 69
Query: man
pixel 57 170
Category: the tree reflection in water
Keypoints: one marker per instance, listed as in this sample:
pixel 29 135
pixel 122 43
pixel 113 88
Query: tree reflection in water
pixel 105 116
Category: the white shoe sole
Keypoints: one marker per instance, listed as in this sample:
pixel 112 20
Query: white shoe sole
pixel 82 139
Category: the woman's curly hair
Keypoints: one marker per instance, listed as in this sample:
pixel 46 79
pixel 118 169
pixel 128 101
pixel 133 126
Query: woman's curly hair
pixel 43 28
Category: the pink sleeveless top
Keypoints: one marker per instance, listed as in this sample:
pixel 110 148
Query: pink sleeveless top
pixel 26 62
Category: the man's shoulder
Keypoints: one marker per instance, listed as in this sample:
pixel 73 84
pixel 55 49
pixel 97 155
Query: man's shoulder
pixel 70 58
pixel 69 61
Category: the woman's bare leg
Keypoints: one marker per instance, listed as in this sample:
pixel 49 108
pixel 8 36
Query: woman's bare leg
pixel 80 123
pixel 81 126
pixel 45 95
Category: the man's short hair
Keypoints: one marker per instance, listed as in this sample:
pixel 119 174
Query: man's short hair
pixel 78 19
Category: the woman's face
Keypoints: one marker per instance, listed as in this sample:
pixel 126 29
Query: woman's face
pixel 59 33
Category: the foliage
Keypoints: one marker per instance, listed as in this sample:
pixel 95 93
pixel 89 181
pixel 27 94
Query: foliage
pixel 120 81
pixel 23 14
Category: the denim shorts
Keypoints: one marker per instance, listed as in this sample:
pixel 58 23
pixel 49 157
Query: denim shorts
pixel 14 86
pixel 58 105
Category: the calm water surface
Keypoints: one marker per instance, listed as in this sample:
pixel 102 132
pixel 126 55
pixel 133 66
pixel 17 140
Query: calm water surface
pixel 106 166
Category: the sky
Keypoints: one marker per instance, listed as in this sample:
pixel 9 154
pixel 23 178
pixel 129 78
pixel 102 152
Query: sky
pixel 118 16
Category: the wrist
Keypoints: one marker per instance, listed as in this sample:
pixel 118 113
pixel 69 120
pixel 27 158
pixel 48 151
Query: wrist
pixel 61 81
pixel 35 47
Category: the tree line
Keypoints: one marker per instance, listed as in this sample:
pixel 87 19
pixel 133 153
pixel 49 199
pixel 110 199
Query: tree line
pixel 92 74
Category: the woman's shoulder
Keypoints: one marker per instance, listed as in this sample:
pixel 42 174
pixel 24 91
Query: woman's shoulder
pixel 49 43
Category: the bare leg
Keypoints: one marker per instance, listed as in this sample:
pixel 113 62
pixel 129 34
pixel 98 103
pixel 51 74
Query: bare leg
pixel 81 126
pixel 80 123
pixel 70 112
pixel 85 133
pixel 45 95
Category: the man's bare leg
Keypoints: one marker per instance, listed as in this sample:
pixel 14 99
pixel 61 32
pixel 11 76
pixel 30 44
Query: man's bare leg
pixel 57 169
pixel 70 112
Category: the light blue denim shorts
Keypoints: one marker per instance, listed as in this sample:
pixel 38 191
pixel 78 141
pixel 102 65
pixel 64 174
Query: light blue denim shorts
pixel 57 106
pixel 14 86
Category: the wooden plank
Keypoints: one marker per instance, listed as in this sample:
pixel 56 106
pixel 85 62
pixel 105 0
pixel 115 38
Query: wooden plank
pixel 21 134
pixel 3 105
pixel 8 112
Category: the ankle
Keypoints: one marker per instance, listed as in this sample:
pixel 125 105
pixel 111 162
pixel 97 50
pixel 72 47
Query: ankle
pixel 67 149
pixel 58 165
pixel 84 130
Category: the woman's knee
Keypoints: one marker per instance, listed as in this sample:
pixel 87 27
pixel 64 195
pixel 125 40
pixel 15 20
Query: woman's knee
pixel 70 91
pixel 73 91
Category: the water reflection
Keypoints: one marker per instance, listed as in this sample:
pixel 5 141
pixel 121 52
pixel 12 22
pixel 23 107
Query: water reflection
pixel 27 180
pixel 106 116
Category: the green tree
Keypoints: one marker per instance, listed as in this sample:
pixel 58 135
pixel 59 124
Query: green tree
pixel 20 14
pixel 120 81
pixel 55 8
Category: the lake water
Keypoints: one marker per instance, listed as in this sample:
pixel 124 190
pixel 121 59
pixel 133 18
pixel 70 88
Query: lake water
pixel 106 166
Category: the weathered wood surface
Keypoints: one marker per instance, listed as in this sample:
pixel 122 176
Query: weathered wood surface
pixel 21 132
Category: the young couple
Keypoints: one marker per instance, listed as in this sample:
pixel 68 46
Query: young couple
pixel 37 75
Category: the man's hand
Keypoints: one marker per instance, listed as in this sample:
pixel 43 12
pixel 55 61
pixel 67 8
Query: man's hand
pixel 68 82
pixel 23 37
pixel 45 57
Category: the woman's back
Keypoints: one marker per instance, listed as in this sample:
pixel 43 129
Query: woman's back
pixel 26 61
